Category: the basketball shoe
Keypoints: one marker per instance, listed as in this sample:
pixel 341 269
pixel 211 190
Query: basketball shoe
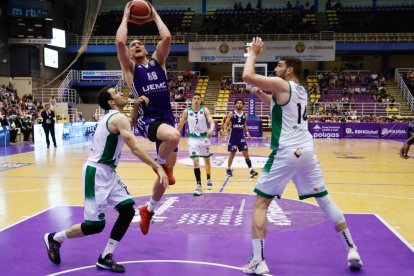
pixel 52 247
pixel 253 173
pixel 354 260
pixel 198 191
pixel 209 185
pixel 229 172
pixel 255 267
pixel 109 264
pixel 146 217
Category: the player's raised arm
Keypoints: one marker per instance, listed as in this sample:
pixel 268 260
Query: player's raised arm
pixel 163 47
pixel 124 57
pixel 142 100
pixel 274 84
pixel 265 98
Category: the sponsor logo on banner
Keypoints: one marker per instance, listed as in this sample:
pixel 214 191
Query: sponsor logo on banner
pixel 326 130
pixel 300 47
pixel 224 48
pixel 101 75
pixel 233 51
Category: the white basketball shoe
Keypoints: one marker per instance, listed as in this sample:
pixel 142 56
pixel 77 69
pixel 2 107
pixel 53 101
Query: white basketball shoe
pixel 354 260
pixel 255 267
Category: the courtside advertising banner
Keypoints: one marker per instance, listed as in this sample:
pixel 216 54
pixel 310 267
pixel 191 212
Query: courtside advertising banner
pixel 326 130
pixel 394 130
pixel 39 135
pixel 233 51
pixel 101 75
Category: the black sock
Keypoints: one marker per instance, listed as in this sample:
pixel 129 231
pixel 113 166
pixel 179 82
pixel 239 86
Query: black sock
pixel 197 174
pixel 208 177
pixel 249 162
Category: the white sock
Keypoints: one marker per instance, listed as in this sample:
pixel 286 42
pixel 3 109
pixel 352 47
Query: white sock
pixel 161 161
pixel 258 248
pixel 347 238
pixel 151 205
pixel 110 247
pixel 60 236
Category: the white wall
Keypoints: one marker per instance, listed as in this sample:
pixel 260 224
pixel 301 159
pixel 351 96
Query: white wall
pixel 23 85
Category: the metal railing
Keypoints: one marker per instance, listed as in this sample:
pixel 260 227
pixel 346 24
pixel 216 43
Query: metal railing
pixel 403 86
pixel 261 109
pixel 193 37
pixel 61 95
pixel 362 109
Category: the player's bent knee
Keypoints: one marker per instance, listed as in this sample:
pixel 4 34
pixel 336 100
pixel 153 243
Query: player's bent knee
pixel 330 209
pixel 127 212
pixel 175 136
pixel 91 229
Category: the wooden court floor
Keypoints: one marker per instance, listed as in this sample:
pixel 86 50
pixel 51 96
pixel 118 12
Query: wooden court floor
pixel 363 176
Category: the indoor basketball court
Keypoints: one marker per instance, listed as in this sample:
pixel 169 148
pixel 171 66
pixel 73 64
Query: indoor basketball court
pixel 210 235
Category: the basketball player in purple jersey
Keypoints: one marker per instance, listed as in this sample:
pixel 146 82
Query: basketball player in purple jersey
pixel 147 77
pixel 238 119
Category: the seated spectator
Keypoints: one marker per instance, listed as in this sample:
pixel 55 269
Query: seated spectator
pixel 27 128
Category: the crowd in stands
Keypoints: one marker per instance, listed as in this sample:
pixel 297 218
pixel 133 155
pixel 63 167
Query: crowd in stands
pixel 362 119
pixel 374 19
pixel 181 85
pixel 227 84
pixel 19 114
pixel 336 92
pixel 248 20
pixel 108 22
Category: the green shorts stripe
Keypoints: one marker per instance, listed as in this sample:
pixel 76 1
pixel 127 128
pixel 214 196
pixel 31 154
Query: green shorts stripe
pixel 123 203
pixel 321 194
pixel 90 182
pixel 260 193
pixel 90 222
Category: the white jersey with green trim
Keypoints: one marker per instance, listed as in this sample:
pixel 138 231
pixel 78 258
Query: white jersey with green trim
pixel 197 123
pixel 106 147
pixel 289 121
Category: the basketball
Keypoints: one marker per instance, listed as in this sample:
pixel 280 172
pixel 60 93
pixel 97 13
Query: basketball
pixel 140 11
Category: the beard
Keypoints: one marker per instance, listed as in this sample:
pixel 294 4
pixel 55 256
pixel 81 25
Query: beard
pixel 281 74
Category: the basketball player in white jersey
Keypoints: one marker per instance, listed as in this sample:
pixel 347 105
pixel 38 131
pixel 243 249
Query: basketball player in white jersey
pixel 199 135
pixel 102 185
pixel 292 155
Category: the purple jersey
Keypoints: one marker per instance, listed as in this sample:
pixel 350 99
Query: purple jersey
pixel 237 128
pixel 151 81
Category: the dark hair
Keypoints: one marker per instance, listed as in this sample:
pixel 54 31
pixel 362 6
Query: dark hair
pixel 295 63
pixel 103 97
pixel 197 94
pixel 235 102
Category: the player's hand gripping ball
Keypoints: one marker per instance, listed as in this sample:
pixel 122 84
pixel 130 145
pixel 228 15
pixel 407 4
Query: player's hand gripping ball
pixel 140 12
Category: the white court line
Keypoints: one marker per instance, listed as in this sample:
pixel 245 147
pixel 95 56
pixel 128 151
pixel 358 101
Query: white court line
pixel 154 261
pixel 395 232
pixel 385 196
pixel 28 217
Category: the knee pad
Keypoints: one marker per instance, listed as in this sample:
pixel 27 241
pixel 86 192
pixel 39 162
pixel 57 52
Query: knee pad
pixel 88 229
pixel 126 212
pixel 330 209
